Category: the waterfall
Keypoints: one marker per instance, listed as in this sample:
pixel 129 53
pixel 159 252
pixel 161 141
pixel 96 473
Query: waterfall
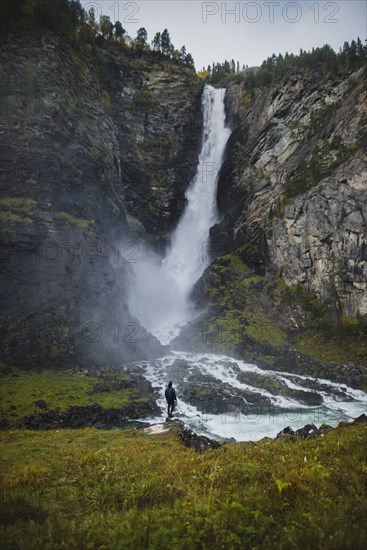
pixel 159 296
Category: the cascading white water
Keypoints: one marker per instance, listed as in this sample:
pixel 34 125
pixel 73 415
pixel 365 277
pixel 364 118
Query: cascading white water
pixel 159 294
pixel 159 299
pixel 224 376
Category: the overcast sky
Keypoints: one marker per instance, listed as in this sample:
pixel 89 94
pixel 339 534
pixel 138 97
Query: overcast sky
pixel 247 31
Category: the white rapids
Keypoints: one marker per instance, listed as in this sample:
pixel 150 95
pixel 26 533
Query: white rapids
pixel 159 298
pixel 338 401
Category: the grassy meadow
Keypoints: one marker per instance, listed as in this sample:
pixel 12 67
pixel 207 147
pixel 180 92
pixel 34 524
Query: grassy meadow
pixel 94 489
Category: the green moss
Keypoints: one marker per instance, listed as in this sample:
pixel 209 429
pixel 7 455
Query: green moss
pixel 228 330
pixel 230 263
pixel 321 316
pixel 106 102
pixel 242 304
pixel 9 217
pixel 59 390
pixel 96 489
pixel 246 305
pixel 22 205
pixel 333 349
pixel 17 211
pixel 68 219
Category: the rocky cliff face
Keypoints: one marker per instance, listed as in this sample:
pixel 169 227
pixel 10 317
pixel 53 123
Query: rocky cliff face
pixel 97 151
pixel 293 190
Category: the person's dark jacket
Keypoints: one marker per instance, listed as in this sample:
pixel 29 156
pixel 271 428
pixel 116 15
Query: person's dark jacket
pixel 170 394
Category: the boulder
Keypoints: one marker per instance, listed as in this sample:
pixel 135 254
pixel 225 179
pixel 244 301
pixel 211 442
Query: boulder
pixel 199 443
pixel 307 431
pixel 361 418
pixel 286 432
pixel 41 404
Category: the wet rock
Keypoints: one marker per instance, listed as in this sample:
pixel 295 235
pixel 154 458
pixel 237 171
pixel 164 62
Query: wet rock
pixel 217 397
pixel 199 443
pixel 87 416
pixel 175 422
pixel 311 399
pixel 225 440
pixel 339 393
pixel 41 404
pixel 361 418
pixel 279 387
pixel 307 431
pixel 288 431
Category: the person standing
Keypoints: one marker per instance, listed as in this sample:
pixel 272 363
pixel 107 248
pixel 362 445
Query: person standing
pixel 171 398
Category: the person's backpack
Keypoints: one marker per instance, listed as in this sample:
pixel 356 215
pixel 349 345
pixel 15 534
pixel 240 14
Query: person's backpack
pixel 170 394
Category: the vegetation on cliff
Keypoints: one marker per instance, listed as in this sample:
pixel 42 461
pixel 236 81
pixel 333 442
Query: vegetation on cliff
pixel 74 24
pixel 100 138
pixel 260 318
pixel 292 195
pixel 95 489
pixel 323 60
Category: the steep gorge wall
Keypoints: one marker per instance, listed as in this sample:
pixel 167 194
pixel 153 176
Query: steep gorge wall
pixel 293 189
pixel 96 153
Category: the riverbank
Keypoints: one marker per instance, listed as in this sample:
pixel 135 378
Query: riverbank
pixel 218 397
pixel 78 398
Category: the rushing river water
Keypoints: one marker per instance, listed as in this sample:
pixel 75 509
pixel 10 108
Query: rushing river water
pixel 233 406
pixel 219 395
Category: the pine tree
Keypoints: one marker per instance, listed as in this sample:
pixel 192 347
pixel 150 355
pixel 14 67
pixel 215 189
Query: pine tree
pixel 183 53
pixel 119 30
pixel 106 26
pixel 189 60
pixel 360 49
pixel 167 46
pixel 92 14
pixel 141 36
pixel 157 42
